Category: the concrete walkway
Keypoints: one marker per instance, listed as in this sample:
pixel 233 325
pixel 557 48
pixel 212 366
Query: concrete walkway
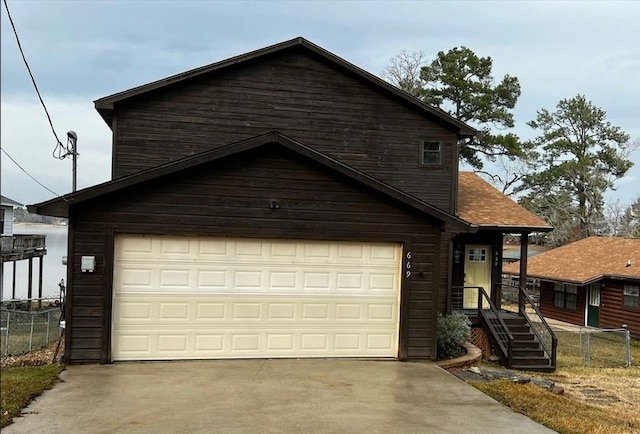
pixel 266 396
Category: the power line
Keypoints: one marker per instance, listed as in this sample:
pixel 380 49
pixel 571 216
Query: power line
pixel 8 179
pixel 59 147
pixel 28 174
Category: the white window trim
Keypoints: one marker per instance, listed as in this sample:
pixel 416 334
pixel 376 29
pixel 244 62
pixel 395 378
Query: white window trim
pixel 626 292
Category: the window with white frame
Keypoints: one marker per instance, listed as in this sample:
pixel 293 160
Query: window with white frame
pixel 477 255
pixel 631 296
pixel 431 153
pixel 565 296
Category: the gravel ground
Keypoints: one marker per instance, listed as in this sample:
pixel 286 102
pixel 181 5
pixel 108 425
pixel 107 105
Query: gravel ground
pixel 43 356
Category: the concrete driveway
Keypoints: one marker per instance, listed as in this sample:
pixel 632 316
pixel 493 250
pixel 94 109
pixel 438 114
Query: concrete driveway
pixel 265 396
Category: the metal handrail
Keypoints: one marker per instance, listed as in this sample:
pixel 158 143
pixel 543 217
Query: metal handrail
pixel 523 296
pixel 507 350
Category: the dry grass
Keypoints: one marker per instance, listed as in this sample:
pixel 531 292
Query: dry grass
pixel 560 413
pixel 596 400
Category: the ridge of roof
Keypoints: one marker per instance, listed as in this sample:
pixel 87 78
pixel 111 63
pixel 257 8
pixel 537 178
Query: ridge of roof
pixel 105 105
pixel 60 206
pixel 585 261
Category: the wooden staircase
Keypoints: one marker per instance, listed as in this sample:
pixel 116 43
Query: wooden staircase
pixel 523 339
pixel 527 353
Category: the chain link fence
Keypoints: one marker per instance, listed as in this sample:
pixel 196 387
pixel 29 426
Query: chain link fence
pixel 594 348
pixel 24 331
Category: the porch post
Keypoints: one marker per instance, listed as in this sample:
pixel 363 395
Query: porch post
pixel 30 284
pixel 524 248
pixel 13 282
pixel 40 283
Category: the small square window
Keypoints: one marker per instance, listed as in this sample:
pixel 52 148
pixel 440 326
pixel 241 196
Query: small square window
pixel 431 152
pixel 477 255
pixel 631 296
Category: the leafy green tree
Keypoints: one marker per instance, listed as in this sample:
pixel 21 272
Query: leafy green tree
pixel 460 83
pixel 578 155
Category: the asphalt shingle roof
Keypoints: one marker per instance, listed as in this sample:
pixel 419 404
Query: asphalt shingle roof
pixel 585 261
pixel 482 204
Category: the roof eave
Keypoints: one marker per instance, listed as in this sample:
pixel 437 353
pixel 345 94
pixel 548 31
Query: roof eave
pixel 551 278
pixel 586 281
pixel 514 229
pixel 59 207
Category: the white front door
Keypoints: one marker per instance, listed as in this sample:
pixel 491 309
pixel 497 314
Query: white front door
pixel 477 272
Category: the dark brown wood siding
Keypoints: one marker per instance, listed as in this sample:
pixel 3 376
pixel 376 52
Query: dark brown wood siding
pixel 567 315
pixel 613 314
pixel 300 96
pixel 231 198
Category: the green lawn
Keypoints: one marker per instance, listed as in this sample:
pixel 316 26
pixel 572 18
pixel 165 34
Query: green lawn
pixel 19 385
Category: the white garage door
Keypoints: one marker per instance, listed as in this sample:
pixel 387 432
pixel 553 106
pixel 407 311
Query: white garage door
pixel 199 298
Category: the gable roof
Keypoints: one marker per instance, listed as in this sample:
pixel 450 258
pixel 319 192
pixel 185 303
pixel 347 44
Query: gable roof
pixel 586 261
pixel 483 205
pixel 59 207
pixel 105 105
pixel 5 201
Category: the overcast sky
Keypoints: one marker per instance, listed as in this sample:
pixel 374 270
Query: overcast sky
pixel 80 51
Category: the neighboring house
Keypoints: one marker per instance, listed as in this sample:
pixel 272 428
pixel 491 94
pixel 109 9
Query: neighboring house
pixel 6 214
pixel 282 203
pixel 592 282
pixel 17 248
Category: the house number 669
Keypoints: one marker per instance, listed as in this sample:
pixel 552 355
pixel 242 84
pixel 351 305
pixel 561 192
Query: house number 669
pixel 408 265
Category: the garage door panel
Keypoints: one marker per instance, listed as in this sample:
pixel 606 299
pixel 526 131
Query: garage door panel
pixel 282 311
pixel 172 343
pixel 209 343
pixel 210 311
pixel 190 298
pixel 249 310
pixel 195 279
pixel 212 280
pixel 238 343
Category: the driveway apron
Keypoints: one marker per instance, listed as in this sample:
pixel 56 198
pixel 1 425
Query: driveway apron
pixel 266 396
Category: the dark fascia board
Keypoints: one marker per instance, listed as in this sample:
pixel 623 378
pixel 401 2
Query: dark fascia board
pixel 59 207
pixel 514 229
pixel 105 106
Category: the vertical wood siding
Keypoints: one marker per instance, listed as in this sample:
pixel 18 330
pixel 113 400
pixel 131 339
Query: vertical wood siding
pixel 231 198
pixel 300 96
